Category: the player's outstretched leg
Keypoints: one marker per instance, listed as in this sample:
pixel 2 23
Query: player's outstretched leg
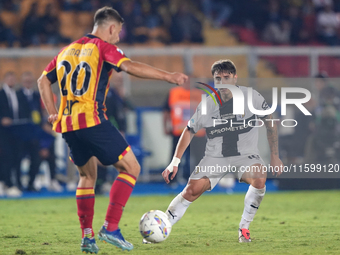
pixel 252 201
pixel 85 204
pixel 181 202
pixel 120 192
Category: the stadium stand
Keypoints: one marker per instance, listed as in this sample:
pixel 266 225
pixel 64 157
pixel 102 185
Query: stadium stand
pixel 74 23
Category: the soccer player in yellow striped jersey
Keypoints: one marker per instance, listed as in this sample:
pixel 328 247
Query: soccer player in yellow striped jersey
pixel 82 70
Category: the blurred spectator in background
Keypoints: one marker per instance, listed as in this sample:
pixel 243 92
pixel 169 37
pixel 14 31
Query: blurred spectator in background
pixel 35 144
pixel 323 147
pixel 302 132
pixel 327 26
pixel 86 5
pixel 151 15
pixel 217 11
pixel 277 33
pixel 319 5
pixel 185 26
pixel 140 19
pixel 50 28
pixel 9 113
pixel 6 35
pixel 179 105
pixel 151 24
pixel 129 14
pixel 330 97
pixel 77 5
pixel 31 27
pixel 68 5
pixel 308 7
pixel 116 109
pixel 30 111
pixel 321 82
pixel 297 33
pixel 327 94
pixel 116 4
pixel 286 135
pixel 48 151
pixel 140 30
pixel 251 16
pixel 9 5
pixel 181 21
pixel 273 14
pixel 336 5
pixel 277 30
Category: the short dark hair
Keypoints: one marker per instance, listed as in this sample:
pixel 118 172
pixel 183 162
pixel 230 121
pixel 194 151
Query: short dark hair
pixel 223 66
pixel 106 13
pixel 9 73
pixel 27 73
pixel 322 75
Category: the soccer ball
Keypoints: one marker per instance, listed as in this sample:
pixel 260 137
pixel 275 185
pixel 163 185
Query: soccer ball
pixel 155 226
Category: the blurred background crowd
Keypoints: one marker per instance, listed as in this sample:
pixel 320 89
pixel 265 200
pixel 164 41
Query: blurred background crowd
pixel 26 22
pixel 29 148
pixel 26 134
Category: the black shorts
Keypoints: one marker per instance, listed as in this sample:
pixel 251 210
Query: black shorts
pixel 103 141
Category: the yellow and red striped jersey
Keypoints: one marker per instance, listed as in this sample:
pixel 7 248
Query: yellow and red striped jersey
pixel 83 70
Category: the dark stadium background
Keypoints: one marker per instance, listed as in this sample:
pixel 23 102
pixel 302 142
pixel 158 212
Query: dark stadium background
pixel 273 43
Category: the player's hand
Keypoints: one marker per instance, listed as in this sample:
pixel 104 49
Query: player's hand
pixel 277 165
pixel 171 168
pixel 177 78
pixel 44 153
pixel 167 172
pixel 5 121
pixel 52 118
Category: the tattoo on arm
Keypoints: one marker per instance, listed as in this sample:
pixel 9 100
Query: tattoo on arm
pixel 272 136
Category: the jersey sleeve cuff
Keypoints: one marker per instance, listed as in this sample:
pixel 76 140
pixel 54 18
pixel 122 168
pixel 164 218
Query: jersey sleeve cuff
pixel 191 130
pixel 121 61
pixel 51 75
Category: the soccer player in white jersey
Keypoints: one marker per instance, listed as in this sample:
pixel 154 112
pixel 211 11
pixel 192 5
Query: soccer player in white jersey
pixel 235 147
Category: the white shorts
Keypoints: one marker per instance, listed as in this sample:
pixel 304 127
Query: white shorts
pixel 216 168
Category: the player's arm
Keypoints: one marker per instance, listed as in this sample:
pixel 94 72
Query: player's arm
pixel 142 70
pixel 46 93
pixel 273 141
pixel 182 145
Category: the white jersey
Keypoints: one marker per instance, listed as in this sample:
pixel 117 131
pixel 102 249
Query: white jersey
pixel 228 134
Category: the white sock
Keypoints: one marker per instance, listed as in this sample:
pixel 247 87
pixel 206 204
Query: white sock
pixel 252 202
pixel 177 208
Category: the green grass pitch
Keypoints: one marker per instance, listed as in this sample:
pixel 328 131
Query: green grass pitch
pixel 286 223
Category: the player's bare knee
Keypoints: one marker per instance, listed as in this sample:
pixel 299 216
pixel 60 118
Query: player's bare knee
pixel 191 192
pixel 258 183
pixel 131 167
pixel 87 175
pixel 187 194
pixel 134 168
pixel 87 180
